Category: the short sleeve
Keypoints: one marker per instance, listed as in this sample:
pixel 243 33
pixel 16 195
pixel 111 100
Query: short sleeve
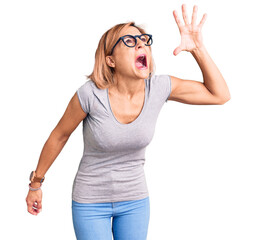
pixel 163 86
pixel 84 94
pixel 168 86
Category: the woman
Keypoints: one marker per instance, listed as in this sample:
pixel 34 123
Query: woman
pixel 119 106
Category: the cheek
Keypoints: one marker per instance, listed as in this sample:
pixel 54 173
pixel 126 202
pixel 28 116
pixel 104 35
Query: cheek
pixel 125 61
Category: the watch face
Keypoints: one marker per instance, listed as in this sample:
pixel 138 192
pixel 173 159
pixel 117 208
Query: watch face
pixel 31 175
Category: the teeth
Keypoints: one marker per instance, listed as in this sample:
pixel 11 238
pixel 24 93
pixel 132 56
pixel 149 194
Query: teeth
pixel 141 61
pixel 142 57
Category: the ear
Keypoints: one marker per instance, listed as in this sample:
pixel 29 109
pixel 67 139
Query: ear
pixel 110 61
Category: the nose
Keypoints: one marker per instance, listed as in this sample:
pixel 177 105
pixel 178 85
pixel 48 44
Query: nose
pixel 140 43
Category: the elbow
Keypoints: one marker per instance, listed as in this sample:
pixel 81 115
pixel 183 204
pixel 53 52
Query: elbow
pixel 224 100
pixel 59 136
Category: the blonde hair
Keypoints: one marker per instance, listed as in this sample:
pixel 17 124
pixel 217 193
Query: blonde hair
pixel 102 74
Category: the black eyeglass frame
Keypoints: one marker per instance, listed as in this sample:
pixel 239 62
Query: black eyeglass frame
pixel 135 36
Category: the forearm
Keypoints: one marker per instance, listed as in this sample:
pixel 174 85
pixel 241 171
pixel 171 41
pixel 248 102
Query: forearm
pixel 49 153
pixel 213 79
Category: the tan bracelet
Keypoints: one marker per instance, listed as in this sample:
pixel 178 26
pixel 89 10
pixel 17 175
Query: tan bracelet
pixel 34 189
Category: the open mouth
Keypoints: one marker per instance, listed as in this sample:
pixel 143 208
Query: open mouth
pixel 141 61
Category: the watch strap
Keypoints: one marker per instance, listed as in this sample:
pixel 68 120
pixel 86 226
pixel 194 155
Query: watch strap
pixel 37 179
pixel 34 178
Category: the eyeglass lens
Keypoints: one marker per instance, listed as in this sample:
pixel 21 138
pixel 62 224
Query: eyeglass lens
pixel 131 42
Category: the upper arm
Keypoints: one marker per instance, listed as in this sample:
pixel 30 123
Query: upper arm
pixel 71 118
pixel 191 92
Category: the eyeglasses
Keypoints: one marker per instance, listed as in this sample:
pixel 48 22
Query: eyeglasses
pixel 131 41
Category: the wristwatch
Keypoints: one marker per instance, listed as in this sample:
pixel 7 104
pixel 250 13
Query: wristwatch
pixel 33 177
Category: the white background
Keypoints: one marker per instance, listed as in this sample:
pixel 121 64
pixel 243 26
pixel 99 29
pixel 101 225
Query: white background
pixel 200 165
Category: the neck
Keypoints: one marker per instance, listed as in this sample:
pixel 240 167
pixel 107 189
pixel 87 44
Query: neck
pixel 128 86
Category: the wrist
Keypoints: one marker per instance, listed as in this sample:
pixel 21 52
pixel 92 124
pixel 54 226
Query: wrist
pixel 33 188
pixel 35 184
pixel 198 50
pixel 34 177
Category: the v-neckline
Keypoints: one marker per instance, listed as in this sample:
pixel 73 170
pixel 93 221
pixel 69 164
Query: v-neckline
pixel 140 114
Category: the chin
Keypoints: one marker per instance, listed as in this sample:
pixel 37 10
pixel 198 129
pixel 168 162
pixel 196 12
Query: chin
pixel 143 74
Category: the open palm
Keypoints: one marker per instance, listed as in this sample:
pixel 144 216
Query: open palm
pixel 191 34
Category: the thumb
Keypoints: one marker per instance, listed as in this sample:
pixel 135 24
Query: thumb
pixel 177 50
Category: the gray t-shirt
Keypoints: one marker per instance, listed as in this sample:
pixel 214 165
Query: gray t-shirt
pixel 111 168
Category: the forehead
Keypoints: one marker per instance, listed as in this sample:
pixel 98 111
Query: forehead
pixel 130 30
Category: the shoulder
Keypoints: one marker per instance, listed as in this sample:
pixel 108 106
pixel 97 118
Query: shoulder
pixel 85 95
pixel 160 77
pixel 161 84
pixel 161 81
pixel 87 88
pixel 86 85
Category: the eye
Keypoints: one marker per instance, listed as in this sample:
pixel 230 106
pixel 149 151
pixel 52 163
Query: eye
pixel 143 39
pixel 130 41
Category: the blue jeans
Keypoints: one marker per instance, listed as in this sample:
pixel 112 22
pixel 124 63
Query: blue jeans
pixel 92 221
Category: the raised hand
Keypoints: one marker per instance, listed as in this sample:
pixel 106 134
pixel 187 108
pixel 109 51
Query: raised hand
pixel 191 34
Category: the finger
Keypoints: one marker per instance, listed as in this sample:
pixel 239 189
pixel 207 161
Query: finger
pixel 194 15
pixel 177 19
pixel 200 25
pixel 31 209
pixel 36 206
pixel 177 51
pixel 39 206
pixel 184 14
